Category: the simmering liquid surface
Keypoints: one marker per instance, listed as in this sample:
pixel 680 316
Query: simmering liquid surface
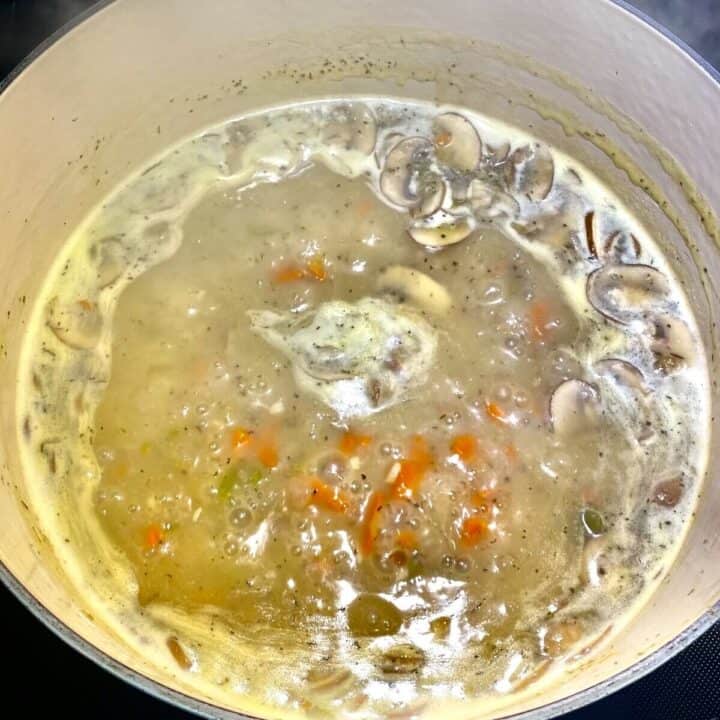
pixel 358 406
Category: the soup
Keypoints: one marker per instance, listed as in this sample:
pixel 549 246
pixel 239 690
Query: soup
pixel 357 406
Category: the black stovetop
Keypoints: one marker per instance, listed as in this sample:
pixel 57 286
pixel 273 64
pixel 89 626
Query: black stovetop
pixel 39 666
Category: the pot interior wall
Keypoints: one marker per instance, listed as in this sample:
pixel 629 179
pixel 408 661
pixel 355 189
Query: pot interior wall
pixel 141 76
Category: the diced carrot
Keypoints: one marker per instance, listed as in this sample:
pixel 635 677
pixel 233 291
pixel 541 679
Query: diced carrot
pixel 267 454
pixel 239 437
pixel 442 139
pixel 329 497
pixel 316 268
pixel 482 499
pixel 494 411
pixel 407 540
pixel 465 447
pixel 86 305
pixel 371 515
pixel 288 274
pixel 539 320
pixel 351 442
pixel 474 529
pixel 511 452
pixel 154 537
pixel 413 468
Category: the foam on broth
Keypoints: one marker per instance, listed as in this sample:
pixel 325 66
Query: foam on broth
pixel 463 515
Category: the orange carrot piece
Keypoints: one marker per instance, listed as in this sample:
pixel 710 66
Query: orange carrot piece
pixel 413 468
pixel 154 537
pixel 239 437
pixel 369 528
pixel 351 442
pixel 465 447
pixel 482 499
pixel 474 529
pixel 539 320
pixel 407 540
pixel 316 268
pixel 327 496
pixel 86 305
pixel 267 454
pixel 511 452
pixel 494 411
pixel 288 274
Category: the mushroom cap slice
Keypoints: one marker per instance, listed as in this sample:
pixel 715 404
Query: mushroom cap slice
pixel 442 229
pixel 433 191
pixel 457 143
pixel 402 164
pixel 530 171
pixel 78 325
pixel 620 247
pixel 351 126
pixel 406 283
pixel 623 373
pixel 574 407
pixel 622 292
pixel 672 343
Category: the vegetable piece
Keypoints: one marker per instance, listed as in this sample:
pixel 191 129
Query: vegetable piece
pixel 179 655
pixel 457 142
pixel 539 320
pixel 442 229
pixel 474 529
pixel 574 407
pixel 495 412
pixel 267 454
pixel 465 447
pixel 370 520
pixel 440 627
pixel 668 493
pixel 316 268
pixel 154 537
pixel 372 616
pixel 240 437
pixel 413 469
pixel 351 442
pixel 402 659
pixel 288 274
pixel 327 496
pixel 593 522
pixel 406 539
pixel 406 283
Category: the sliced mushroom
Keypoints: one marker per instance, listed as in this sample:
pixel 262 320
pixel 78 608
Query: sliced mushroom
pixel 488 203
pixel 672 343
pixel 402 165
pixel 402 659
pixel 498 154
pixel 667 493
pixel 623 373
pixel 457 143
pixel 351 126
pixel 574 407
pixel 620 247
pixel 77 324
pixel 432 191
pixel 442 229
pixel 108 255
pixel 383 145
pixel 622 292
pixel 530 171
pixel 406 283
pixel 329 680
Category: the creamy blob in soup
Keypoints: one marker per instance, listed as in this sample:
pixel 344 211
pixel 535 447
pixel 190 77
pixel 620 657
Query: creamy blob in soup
pixel 358 407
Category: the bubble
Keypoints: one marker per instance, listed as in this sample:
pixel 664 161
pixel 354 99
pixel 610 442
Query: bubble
pixel 240 517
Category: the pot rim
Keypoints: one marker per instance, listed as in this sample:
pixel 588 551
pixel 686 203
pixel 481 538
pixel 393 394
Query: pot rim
pixel 209 710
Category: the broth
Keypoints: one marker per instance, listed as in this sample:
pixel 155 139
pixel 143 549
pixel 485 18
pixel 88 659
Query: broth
pixel 395 389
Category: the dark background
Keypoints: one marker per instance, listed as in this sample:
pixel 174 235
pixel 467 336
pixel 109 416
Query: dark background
pixel 40 668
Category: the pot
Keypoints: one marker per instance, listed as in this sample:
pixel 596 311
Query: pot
pixel 134 77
